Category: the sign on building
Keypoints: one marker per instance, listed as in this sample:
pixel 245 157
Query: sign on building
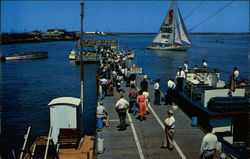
pixel 100 43
pixel 136 70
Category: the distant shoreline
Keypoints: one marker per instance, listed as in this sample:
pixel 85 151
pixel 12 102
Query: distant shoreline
pixel 12 40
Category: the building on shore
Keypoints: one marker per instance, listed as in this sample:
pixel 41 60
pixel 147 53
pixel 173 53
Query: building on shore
pixel 54 34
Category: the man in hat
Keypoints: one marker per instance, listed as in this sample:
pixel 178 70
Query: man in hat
pixel 144 84
pixel 157 100
pixel 180 76
pixel 169 131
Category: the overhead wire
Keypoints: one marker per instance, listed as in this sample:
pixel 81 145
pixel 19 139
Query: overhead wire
pixel 219 10
pixel 191 12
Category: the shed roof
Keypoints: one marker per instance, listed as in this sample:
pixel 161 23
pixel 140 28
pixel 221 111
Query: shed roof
pixel 65 101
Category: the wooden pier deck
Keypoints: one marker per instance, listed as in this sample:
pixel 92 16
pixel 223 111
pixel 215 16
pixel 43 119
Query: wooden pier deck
pixel 143 139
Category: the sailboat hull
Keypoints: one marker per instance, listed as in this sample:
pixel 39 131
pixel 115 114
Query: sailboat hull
pixel 172 48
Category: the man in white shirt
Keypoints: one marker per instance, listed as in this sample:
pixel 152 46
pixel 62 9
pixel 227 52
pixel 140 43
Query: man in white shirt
pixel 234 79
pixel 121 107
pixel 157 100
pixel 169 131
pixel 236 73
pixel 101 113
pixel 205 65
pixel 208 145
pixel 170 88
pixel 185 65
pixel 104 83
pixel 180 76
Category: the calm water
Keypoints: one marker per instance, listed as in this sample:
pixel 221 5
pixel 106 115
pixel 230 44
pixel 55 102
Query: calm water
pixel 26 87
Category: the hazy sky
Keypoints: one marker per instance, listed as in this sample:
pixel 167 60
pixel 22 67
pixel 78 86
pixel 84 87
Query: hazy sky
pixel 121 16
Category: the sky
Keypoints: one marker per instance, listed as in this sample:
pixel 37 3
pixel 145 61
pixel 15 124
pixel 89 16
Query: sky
pixel 121 16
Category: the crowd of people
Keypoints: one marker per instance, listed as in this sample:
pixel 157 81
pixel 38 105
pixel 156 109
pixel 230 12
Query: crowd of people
pixel 114 73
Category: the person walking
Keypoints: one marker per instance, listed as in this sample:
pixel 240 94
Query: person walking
pixel 170 92
pixel 144 84
pixel 110 88
pixel 236 73
pixel 180 76
pixel 169 131
pixel 121 107
pixel 132 79
pixel 102 114
pixel 133 93
pixel 234 79
pixel 141 102
pixel 147 100
pixel 104 84
pixel 157 100
pixel 208 145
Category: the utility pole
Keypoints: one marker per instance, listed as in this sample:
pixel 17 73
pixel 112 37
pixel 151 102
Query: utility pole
pixel 81 69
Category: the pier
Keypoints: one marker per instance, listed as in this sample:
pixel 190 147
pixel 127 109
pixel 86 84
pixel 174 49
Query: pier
pixel 143 139
pixel 88 59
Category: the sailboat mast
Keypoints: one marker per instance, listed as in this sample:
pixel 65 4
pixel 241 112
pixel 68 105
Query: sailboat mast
pixel 81 70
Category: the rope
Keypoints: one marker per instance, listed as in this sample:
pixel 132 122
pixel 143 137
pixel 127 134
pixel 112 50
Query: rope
pixel 211 15
pixel 189 14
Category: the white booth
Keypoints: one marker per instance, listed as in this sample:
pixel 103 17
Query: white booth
pixel 63 114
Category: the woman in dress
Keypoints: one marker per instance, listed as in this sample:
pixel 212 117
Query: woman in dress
pixel 141 101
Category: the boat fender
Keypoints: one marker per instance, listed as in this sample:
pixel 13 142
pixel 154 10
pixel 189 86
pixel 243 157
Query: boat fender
pixel 194 121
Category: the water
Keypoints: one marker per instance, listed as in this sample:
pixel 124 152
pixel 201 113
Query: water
pixel 27 87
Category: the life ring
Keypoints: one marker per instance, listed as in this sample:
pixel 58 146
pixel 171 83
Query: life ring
pixel 229 104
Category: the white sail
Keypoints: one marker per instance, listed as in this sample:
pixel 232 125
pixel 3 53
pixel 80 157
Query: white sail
pixel 182 29
pixel 172 32
pixel 177 36
pixel 165 34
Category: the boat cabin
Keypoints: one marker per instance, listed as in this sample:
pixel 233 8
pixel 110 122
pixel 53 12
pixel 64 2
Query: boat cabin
pixel 203 86
pixel 215 105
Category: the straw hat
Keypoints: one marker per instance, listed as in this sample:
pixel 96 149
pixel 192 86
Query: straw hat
pixel 170 112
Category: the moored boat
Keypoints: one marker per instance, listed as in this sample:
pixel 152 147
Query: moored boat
pixel 72 55
pixel 129 54
pixel 25 56
pixel 216 106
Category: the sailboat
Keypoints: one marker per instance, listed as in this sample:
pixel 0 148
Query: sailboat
pixel 172 34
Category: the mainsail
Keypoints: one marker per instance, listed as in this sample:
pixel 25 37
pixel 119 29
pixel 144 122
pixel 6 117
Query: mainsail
pixel 173 29
pixel 165 34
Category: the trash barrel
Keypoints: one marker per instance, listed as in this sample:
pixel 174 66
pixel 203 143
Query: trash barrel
pixel 100 147
pixel 99 123
pixel 194 121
